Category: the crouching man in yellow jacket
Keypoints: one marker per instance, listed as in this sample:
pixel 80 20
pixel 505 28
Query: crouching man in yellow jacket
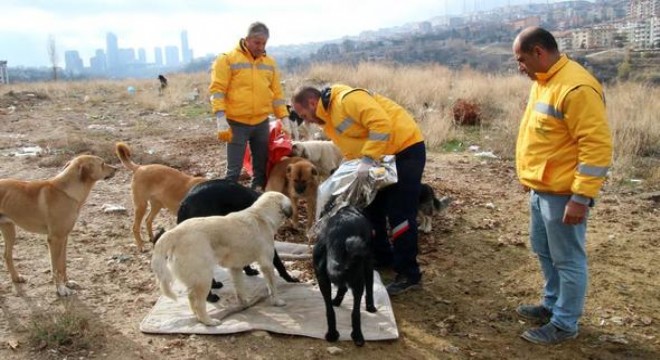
pixel 245 88
pixel 367 126
pixel 563 153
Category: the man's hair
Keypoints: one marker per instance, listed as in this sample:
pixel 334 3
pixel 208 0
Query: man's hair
pixel 304 94
pixel 537 37
pixel 258 29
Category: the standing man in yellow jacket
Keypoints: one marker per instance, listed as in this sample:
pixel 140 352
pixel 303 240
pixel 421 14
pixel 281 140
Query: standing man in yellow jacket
pixel 245 88
pixel 367 126
pixel 563 153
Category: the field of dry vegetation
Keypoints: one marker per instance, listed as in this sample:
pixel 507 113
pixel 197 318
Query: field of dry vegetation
pixel 477 265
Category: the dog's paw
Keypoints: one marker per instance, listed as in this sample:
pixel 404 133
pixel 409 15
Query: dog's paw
pixel 216 284
pixel 249 271
pixel 357 337
pixel 371 309
pixel 62 290
pixel 18 279
pixel 332 335
pixel 278 302
pixel 337 301
pixel 73 285
pixel 211 322
pixel 212 298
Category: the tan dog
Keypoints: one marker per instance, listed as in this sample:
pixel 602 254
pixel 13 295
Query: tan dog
pixel 325 155
pixel 158 185
pixel 49 207
pixel 296 178
pixel 194 247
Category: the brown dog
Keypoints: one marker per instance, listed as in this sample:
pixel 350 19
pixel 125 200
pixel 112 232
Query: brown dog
pixel 158 185
pixel 297 178
pixel 49 207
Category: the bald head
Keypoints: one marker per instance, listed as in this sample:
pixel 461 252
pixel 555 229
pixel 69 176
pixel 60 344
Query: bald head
pixel 536 36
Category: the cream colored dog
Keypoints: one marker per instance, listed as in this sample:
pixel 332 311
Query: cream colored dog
pixel 195 246
pixel 156 185
pixel 49 207
pixel 325 155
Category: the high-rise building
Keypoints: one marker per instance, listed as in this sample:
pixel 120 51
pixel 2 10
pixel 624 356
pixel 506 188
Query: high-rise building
pixel 172 56
pixel 97 62
pixel 126 56
pixel 112 51
pixel 186 53
pixel 158 56
pixel 73 64
pixel 4 76
pixel 142 56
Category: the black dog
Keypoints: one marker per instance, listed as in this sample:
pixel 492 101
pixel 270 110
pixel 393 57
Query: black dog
pixel 293 116
pixel 221 197
pixel 342 256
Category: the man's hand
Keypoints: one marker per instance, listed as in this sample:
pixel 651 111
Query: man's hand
pixel 221 120
pixel 366 163
pixel 574 213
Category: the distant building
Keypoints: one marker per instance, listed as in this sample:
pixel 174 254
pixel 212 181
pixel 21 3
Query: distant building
pixel 142 56
pixel 172 56
pixel 126 56
pixel 525 23
pixel 97 63
pixel 158 56
pixel 641 9
pixel 112 51
pixel 186 53
pixel 4 76
pixel 73 64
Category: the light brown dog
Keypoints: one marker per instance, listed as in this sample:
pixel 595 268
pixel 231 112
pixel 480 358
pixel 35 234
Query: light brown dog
pixel 296 178
pixel 157 185
pixel 49 207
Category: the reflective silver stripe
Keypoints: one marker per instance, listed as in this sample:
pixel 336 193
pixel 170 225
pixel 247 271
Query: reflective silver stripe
pixel 378 136
pixel 239 66
pixel 344 125
pixel 598 171
pixel 265 67
pixel 548 109
pixel 278 102
pixel 218 96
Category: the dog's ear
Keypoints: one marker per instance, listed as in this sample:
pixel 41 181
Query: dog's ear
pixel 84 171
pixel 315 172
pixel 289 170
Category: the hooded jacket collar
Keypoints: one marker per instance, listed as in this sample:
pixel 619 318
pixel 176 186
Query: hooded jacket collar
pixel 546 76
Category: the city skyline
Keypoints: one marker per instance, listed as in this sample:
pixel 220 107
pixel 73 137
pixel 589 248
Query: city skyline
pixel 212 26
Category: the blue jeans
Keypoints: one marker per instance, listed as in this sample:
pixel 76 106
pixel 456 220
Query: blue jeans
pixel 561 252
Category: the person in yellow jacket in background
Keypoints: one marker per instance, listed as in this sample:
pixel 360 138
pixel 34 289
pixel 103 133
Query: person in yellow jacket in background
pixel 368 126
pixel 245 88
pixel 563 153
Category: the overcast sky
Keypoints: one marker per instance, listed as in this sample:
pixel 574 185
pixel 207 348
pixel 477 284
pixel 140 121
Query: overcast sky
pixel 213 25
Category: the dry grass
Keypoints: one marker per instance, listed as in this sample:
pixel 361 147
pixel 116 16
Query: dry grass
pixel 501 99
pixel 427 91
pixel 63 333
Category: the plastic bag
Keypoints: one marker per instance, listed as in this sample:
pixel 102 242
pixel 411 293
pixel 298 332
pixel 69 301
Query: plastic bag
pixel 279 145
pixel 344 188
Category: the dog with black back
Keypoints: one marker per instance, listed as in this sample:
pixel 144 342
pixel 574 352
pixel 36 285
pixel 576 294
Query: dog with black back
pixel 429 205
pixel 342 256
pixel 221 197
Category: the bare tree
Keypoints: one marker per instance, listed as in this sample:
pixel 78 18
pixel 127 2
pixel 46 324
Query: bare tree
pixel 52 55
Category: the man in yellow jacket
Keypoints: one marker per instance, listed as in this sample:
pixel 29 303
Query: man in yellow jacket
pixel 368 126
pixel 563 153
pixel 245 88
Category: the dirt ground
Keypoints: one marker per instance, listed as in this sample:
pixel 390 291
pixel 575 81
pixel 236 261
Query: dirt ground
pixel 477 263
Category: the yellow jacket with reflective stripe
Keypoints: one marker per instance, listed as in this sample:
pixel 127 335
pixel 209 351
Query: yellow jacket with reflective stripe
pixel 245 88
pixel 564 143
pixel 361 123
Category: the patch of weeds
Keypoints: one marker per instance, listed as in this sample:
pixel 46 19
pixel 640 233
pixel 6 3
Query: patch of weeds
pixel 195 111
pixel 453 145
pixel 63 332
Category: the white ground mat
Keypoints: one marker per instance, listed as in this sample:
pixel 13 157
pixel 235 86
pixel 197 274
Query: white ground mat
pixel 304 313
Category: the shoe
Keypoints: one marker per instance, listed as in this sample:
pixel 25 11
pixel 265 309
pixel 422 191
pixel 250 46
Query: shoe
pixel 402 284
pixel 535 312
pixel 548 334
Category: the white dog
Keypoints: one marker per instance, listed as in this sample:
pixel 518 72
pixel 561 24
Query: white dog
pixel 196 245
pixel 325 155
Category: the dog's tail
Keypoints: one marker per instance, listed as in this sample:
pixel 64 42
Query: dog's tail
pixel 159 259
pixel 124 154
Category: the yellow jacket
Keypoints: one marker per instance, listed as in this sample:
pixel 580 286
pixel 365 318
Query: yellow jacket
pixel 564 143
pixel 245 88
pixel 362 123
